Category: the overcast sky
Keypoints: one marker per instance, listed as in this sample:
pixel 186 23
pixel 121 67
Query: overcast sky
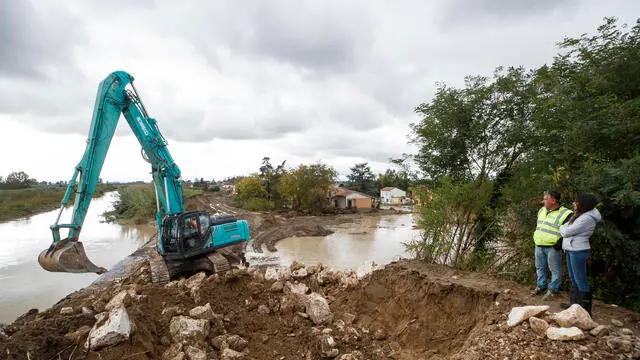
pixel 230 82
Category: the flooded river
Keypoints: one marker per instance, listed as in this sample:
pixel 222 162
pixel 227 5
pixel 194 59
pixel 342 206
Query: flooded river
pixel 25 285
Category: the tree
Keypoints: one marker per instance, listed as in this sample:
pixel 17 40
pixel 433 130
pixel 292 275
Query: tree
pixel 362 179
pixel 250 187
pixel 18 179
pixel 271 177
pixel 313 182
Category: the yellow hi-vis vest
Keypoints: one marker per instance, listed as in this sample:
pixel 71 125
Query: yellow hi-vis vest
pixel 548 229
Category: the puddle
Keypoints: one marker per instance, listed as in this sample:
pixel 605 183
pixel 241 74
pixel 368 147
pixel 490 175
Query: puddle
pixel 379 239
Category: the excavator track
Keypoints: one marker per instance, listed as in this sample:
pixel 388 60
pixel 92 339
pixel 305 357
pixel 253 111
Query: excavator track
pixel 219 261
pixel 159 271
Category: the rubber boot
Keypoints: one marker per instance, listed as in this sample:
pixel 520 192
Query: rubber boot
pixel 585 300
pixel 573 298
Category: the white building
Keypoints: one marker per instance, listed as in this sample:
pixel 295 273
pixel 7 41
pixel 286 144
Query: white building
pixel 393 195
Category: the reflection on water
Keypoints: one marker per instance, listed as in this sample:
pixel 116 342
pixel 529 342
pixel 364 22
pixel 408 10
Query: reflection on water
pixel 25 285
pixel 375 238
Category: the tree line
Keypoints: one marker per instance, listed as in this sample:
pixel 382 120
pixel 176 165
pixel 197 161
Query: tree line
pixel 491 147
pixel 308 186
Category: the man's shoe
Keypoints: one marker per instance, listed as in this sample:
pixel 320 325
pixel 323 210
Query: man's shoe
pixel 538 291
pixel 550 295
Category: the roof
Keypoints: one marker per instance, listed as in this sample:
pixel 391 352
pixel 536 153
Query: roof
pixel 344 193
pixel 388 188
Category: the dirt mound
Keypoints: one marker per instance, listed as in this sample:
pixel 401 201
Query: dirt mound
pixel 407 310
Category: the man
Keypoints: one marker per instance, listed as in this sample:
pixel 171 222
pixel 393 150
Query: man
pixel 548 242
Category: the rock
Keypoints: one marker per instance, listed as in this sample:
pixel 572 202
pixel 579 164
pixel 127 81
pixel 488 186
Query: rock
pixel 339 324
pixel 299 274
pixel 538 325
pixel 195 354
pixel 172 311
pixel 351 335
pixel 227 354
pixel 220 342
pixel 79 335
pixel 202 312
pixel 263 309
pixel 365 268
pixel 299 288
pixel 66 310
pixel 326 277
pixel 292 303
pixel 356 355
pixel 617 323
pixel 575 315
pixel 348 318
pixel 110 329
pixel 348 279
pixel 237 343
pixel 571 333
pixel 186 329
pixel 277 273
pixel 380 334
pixel 318 309
pixel 619 344
pixel 196 280
pixel 122 299
pixel 174 352
pixel 296 265
pixel 328 346
pixel 626 331
pixel 277 286
pixel 522 313
pixel 313 269
pixel 86 311
pixel 600 330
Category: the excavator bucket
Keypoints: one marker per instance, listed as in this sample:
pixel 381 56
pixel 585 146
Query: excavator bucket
pixel 68 256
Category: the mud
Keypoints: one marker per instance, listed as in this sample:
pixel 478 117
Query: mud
pixel 406 310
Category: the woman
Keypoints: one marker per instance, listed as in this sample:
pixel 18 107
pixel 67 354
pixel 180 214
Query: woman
pixel 576 233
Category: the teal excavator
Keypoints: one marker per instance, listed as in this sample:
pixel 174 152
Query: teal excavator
pixel 187 241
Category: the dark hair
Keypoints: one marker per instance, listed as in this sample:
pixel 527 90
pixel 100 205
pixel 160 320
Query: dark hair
pixel 554 194
pixel 586 202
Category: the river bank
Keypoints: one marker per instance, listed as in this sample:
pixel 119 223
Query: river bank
pixel 17 204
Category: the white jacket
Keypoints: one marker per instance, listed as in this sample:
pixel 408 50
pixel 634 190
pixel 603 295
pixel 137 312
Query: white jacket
pixel 576 236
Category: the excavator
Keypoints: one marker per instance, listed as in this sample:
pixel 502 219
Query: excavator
pixel 187 241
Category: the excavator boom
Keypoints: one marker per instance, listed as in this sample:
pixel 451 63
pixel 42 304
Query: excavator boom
pixel 112 100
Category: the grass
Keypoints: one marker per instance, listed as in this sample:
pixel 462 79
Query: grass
pixel 136 204
pixel 20 203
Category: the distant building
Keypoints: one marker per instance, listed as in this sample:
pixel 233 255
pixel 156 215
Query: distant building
pixel 393 196
pixel 347 199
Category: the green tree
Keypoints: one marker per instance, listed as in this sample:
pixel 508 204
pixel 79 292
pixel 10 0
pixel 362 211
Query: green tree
pixel 362 179
pixel 250 187
pixel 271 177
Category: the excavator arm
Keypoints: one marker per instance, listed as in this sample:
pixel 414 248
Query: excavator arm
pixel 112 100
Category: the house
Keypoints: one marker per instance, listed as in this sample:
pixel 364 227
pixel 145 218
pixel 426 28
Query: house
pixel 393 195
pixel 346 199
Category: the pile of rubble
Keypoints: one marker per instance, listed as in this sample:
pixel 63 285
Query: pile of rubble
pixel 405 310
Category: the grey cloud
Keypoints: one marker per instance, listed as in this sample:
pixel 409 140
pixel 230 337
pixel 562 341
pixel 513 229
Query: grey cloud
pixel 325 37
pixel 33 41
pixel 465 13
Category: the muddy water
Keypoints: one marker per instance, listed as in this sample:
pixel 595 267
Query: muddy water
pixel 25 285
pixel 376 238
